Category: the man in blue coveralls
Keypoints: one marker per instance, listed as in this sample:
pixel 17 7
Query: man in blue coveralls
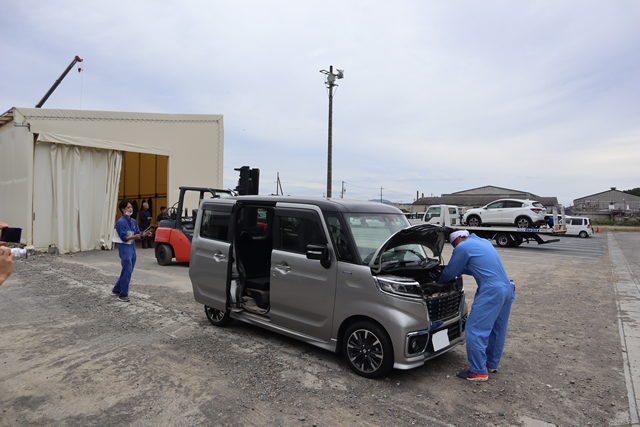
pixel 486 327
pixel 128 232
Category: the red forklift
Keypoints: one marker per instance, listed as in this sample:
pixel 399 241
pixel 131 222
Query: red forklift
pixel 174 235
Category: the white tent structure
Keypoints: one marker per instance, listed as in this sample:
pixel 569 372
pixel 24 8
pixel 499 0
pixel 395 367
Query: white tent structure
pixel 60 169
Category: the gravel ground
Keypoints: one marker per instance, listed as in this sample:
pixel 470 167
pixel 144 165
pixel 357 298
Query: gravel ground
pixel 72 355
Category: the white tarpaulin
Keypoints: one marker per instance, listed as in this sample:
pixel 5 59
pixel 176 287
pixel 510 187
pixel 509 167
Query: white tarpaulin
pixel 79 186
pixel 101 143
pixel 60 169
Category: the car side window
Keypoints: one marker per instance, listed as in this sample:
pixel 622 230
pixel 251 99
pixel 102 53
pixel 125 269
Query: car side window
pixel 215 225
pixel 495 205
pixel 576 221
pixel 512 204
pixel 296 232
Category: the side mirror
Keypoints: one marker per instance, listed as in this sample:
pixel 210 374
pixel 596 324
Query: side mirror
pixel 321 253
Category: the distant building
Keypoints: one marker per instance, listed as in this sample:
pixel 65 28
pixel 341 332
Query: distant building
pixel 478 197
pixel 607 205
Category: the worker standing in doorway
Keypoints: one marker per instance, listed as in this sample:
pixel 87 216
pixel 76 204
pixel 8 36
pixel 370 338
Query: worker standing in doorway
pixel 486 328
pixel 145 222
pixel 128 232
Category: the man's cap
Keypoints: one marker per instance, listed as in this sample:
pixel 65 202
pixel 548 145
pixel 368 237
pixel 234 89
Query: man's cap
pixel 460 233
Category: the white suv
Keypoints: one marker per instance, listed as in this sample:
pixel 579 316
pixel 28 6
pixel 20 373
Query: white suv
pixel 521 213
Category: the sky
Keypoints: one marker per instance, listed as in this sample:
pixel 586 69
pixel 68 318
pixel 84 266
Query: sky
pixel 437 96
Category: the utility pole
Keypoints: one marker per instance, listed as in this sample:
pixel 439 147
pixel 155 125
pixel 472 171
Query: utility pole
pixel 330 84
pixel 343 190
pixel 380 194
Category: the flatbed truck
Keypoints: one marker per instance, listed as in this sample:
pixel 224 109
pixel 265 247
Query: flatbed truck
pixel 504 236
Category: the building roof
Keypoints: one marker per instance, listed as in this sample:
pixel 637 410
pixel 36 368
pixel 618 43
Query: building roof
pixel 628 196
pixel 494 190
pixel 476 201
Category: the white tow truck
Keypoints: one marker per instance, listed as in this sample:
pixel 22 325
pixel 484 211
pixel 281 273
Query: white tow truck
pixel 505 236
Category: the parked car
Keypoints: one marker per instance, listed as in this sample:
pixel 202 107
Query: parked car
pixel 521 213
pixel 345 276
pixel 578 226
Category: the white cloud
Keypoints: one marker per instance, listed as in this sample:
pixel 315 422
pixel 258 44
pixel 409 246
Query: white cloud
pixel 437 97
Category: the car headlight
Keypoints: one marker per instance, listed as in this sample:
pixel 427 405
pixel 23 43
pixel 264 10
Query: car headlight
pixel 399 285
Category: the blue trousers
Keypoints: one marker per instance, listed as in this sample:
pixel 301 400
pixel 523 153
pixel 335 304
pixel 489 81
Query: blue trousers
pixel 486 328
pixel 128 261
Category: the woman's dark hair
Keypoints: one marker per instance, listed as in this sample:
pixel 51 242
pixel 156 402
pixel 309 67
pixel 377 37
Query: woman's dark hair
pixel 123 204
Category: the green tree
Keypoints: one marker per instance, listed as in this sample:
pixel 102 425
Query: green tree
pixel 634 191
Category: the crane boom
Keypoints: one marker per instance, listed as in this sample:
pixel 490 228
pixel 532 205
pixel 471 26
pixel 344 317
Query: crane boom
pixel 55 85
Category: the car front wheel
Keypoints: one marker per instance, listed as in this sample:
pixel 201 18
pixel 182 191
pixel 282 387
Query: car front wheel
pixel 217 317
pixel 473 221
pixel 367 349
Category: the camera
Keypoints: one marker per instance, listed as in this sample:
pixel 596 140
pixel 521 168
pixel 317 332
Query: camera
pixel 19 253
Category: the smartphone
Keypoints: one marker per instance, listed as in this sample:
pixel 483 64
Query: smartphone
pixel 11 234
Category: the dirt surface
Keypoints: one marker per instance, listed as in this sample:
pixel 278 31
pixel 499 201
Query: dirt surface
pixel 72 355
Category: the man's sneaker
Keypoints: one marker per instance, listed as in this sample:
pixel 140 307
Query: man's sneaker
pixel 471 376
pixel 125 298
pixel 115 294
pixel 492 371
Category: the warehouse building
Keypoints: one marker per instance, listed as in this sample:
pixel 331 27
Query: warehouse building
pixel 62 172
pixel 608 204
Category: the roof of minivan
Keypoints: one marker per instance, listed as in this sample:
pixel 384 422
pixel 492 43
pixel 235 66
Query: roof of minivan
pixel 330 205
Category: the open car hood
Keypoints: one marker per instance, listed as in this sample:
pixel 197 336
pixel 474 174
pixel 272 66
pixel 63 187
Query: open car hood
pixel 430 235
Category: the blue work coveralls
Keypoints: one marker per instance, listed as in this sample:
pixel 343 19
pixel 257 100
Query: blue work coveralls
pixel 127 253
pixel 486 328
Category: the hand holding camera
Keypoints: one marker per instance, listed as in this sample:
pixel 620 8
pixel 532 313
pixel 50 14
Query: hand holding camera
pixel 6 263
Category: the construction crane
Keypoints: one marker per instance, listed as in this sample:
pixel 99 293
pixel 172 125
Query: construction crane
pixel 55 85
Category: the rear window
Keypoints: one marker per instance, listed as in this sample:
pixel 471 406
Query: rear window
pixel 215 225
pixel 538 204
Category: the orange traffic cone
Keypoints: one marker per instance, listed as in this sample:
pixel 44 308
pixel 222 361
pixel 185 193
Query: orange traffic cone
pixel 597 229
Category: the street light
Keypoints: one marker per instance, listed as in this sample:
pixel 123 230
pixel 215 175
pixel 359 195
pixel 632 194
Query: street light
pixel 330 83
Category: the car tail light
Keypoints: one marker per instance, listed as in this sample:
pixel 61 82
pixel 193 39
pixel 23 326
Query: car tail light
pixel 536 210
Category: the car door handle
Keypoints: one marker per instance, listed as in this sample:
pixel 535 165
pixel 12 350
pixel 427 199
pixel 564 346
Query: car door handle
pixel 283 267
pixel 219 256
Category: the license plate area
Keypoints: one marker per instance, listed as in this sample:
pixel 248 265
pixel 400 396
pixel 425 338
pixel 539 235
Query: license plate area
pixel 440 340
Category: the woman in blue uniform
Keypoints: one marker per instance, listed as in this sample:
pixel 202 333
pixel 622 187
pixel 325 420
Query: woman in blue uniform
pixel 486 327
pixel 128 232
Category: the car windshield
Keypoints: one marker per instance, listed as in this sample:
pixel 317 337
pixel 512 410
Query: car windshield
pixel 370 231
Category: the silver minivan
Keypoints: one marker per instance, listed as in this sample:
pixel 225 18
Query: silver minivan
pixel 347 276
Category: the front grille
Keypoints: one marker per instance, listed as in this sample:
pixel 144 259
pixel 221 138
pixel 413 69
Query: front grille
pixel 445 307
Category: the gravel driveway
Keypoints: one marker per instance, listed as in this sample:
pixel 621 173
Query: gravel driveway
pixel 72 355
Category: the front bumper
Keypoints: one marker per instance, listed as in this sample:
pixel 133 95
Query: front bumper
pixel 455 331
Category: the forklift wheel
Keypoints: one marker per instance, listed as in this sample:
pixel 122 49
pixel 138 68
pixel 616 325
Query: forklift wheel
pixel 164 254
